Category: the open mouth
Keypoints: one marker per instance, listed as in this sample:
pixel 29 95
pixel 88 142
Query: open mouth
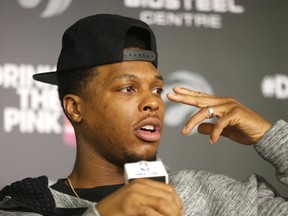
pixel 149 133
pixel 149 128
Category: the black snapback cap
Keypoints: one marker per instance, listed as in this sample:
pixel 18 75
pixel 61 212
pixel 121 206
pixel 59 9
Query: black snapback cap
pixel 99 40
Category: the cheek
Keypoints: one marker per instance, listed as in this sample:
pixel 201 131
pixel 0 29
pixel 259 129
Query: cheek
pixel 120 115
pixel 162 107
pixel 106 106
pixel 113 115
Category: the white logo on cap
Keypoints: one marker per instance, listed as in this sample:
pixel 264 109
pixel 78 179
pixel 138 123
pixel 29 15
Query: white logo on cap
pixel 53 7
pixel 189 80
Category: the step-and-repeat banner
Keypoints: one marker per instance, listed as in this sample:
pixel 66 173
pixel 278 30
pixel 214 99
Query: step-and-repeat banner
pixel 235 48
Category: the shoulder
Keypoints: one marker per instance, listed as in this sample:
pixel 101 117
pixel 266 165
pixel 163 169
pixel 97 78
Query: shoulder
pixel 203 181
pixel 32 194
pixel 203 188
pixel 63 200
pixel 27 186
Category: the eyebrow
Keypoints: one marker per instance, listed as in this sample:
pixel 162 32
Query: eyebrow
pixel 132 76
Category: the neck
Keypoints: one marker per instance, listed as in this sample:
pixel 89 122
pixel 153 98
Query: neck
pixel 91 170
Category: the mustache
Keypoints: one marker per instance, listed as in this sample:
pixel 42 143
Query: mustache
pixel 152 116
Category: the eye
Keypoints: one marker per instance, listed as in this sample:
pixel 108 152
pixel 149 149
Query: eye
pixel 158 91
pixel 128 89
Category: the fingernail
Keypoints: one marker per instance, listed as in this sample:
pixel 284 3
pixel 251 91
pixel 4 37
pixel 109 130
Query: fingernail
pixel 184 130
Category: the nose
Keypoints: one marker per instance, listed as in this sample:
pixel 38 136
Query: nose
pixel 150 103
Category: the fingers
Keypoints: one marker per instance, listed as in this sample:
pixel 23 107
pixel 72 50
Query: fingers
pixel 157 197
pixel 160 194
pixel 235 121
pixel 142 197
pixel 190 97
pixel 220 111
pixel 189 92
pixel 146 211
pixel 218 128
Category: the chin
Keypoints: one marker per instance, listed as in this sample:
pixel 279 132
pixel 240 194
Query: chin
pixel 142 158
pixel 129 158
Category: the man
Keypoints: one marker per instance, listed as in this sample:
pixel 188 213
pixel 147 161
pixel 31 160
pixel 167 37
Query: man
pixel 110 90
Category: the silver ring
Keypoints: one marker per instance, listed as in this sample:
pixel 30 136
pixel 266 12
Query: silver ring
pixel 211 112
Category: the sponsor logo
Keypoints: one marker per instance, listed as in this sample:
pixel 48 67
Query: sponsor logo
pixel 188 13
pixel 187 79
pixel 53 7
pixel 38 109
pixel 144 166
pixel 275 86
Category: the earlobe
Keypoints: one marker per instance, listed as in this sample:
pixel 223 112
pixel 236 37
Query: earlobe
pixel 72 107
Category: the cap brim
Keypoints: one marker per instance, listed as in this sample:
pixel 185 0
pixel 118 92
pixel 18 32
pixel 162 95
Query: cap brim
pixel 49 77
pixel 128 55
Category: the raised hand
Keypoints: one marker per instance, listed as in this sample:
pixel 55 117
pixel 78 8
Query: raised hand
pixel 235 121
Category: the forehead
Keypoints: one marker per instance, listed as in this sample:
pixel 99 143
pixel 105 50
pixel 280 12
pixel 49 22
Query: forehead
pixel 128 70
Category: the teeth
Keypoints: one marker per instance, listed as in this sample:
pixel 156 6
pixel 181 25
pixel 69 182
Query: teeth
pixel 148 127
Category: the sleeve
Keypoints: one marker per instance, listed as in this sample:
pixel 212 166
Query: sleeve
pixel 273 147
pixel 91 211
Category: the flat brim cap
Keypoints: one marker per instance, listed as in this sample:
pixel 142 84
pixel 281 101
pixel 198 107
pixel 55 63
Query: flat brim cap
pixel 99 40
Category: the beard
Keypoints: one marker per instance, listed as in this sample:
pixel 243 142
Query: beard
pixel 131 157
pixel 124 155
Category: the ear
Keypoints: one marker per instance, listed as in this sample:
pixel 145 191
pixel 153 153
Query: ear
pixel 72 107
